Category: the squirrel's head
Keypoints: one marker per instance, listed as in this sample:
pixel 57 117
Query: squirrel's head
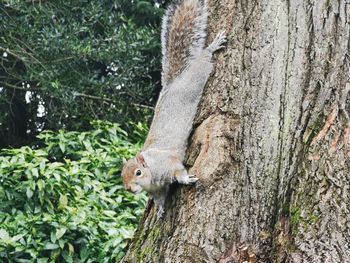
pixel 136 174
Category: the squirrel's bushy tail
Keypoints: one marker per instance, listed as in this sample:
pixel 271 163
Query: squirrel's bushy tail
pixel 183 35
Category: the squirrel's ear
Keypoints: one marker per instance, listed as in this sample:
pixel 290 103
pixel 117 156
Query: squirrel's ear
pixel 124 161
pixel 141 160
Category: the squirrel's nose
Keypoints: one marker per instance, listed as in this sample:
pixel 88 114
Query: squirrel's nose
pixel 128 188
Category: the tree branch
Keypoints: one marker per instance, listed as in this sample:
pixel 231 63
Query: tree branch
pixel 77 94
pixel 12 54
pixel 110 100
pixel 10 86
pixel 87 96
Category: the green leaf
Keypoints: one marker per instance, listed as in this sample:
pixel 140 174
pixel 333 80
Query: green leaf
pixel 68 258
pixel 60 232
pixel 23 260
pixel 109 213
pixel 40 184
pixel 17 237
pixel 87 145
pixel 50 246
pixel 63 202
pixel 57 176
pixel 70 249
pixel 4 236
pixel 35 172
pixel 84 253
pixel 29 192
pixel 42 165
pixel 62 147
pixel 53 237
pixel 61 243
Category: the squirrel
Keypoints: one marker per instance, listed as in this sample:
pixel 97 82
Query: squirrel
pixel 186 66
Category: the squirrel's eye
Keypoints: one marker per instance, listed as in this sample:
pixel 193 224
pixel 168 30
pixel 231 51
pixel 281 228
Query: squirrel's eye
pixel 138 172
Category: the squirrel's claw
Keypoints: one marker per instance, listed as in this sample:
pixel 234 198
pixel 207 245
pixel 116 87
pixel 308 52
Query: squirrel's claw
pixel 218 43
pixel 192 179
pixel 160 212
pixel 187 179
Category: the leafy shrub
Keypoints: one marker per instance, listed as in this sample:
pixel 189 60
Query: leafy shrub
pixel 64 201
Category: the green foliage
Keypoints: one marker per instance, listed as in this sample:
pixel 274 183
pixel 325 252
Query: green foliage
pixel 64 200
pixel 76 61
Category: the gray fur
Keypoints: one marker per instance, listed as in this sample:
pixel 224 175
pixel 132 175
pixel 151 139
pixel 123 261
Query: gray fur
pixel 176 108
pixel 198 41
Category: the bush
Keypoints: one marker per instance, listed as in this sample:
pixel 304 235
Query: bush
pixel 64 200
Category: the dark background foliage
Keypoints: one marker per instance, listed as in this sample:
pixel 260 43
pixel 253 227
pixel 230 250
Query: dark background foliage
pixel 64 63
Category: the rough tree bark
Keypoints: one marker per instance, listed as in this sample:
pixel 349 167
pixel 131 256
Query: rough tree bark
pixel 271 145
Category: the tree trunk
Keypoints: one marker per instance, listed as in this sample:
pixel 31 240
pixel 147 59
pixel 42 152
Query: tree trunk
pixel 271 145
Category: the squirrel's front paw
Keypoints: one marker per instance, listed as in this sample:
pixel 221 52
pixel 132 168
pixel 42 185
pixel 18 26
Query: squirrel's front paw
pixel 192 179
pixel 187 179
